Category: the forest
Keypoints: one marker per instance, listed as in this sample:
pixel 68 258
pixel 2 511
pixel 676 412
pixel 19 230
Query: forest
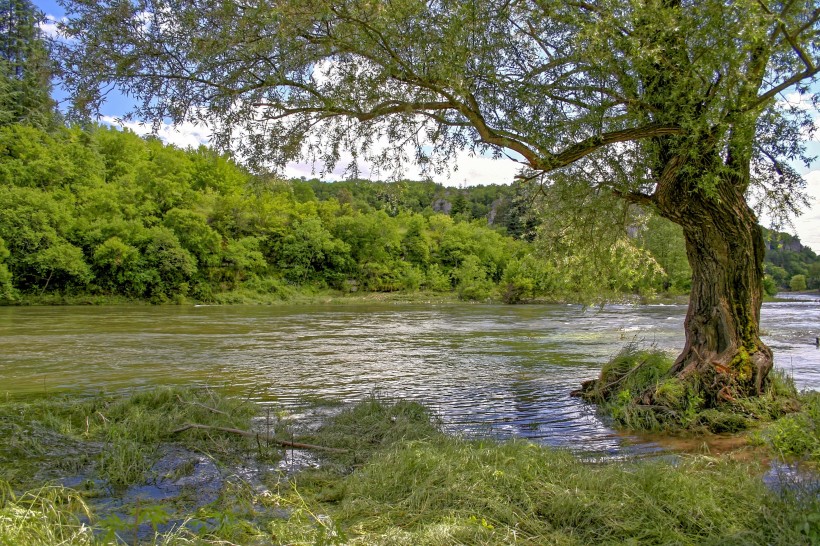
pixel 103 212
pixel 87 210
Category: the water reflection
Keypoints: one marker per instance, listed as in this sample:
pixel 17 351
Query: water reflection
pixel 504 371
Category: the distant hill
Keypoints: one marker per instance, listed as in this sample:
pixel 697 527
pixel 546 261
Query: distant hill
pixel 787 258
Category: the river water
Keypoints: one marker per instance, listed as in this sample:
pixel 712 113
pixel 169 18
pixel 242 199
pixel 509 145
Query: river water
pixel 503 371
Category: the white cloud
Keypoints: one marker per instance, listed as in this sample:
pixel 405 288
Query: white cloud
pixel 184 135
pixel 49 26
pixel 476 169
pixel 803 102
pixel 464 170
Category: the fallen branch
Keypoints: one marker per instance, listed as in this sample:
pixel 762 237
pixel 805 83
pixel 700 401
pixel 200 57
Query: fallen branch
pixel 209 408
pixel 251 434
pixel 608 388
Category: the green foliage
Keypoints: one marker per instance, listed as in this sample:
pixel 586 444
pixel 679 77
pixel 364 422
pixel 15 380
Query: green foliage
pixel 594 244
pixel 769 285
pixel 787 257
pixel 7 291
pixel 797 434
pixel 471 280
pixel 437 279
pixel 527 278
pixel 665 241
pixel 104 213
pixel 798 283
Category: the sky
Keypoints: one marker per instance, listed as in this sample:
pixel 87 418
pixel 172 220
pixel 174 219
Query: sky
pixel 465 169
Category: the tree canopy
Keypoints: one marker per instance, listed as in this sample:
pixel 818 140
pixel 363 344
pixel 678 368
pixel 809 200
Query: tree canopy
pixel 551 82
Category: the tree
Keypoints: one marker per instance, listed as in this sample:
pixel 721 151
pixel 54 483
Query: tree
pixel 670 104
pixel 25 68
pixel 7 291
pixel 798 283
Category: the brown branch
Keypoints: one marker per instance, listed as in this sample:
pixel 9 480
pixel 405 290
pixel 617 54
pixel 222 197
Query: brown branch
pixel 635 197
pixel 383 109
pixel 251 434
pixel 209 408
pixel 490 136
pixel 592 144
pixel 765 97
pixel 797 49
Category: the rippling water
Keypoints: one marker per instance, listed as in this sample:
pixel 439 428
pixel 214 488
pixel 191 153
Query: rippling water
pixel 486 369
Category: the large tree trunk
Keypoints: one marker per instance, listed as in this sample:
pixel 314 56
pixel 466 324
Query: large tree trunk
pixel 723 355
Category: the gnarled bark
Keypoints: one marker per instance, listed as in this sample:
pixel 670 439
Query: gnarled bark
pixel 723 354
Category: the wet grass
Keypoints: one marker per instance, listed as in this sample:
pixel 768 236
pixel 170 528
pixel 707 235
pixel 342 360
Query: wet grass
pixel 119 436
pixel 44 516
pixel 677 406
pixel 485 493
pixel 402 481
pixel 796 435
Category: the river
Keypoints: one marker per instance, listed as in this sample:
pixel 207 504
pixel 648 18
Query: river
pixel 503 371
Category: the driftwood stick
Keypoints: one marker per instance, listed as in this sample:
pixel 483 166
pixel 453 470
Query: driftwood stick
pixel 251 434
pixel 209 408
pixel 606 388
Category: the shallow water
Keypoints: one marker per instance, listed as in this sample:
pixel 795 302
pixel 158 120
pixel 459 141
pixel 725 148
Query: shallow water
pixel 504 371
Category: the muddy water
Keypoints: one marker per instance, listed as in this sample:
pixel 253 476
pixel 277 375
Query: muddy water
pixel 504 371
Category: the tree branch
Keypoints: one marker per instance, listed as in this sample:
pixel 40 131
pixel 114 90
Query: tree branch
pixel 251 434
pixel 771 93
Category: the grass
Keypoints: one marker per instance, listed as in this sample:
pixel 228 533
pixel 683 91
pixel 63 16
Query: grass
pixel 373 425
pixel 678 406
pixel 457 492
pixel 45 516
pixel 118 435
pixel 797 434
pixel 402 482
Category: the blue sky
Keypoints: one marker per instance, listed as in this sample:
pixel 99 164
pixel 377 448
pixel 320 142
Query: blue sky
pixel 471 169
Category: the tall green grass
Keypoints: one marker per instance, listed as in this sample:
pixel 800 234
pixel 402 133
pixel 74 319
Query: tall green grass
pixel 798 434
pixel 674 405
pixel 46 516
pixel 456 492
pixel 404 482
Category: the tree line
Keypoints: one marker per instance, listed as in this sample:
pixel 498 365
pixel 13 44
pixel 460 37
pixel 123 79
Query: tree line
pixel 102 211
pixel 99 211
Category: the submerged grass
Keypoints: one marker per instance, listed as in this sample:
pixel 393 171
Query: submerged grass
pixel 405 482
pixel 373 425
pixel 118 435
pixel 678 406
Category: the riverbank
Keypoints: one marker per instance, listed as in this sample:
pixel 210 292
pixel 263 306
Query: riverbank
pixel 332 297
pixel 125 469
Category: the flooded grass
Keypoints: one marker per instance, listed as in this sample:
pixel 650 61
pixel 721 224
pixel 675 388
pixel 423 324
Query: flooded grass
pixel 678 406
pixel 111 470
